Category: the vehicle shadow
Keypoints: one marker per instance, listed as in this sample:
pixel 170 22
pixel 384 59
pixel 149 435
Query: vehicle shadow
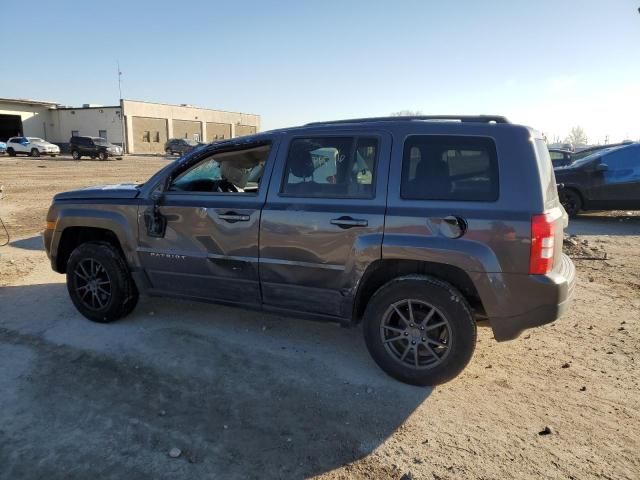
pixel 242 394
pixel 594 224
pixel 30 243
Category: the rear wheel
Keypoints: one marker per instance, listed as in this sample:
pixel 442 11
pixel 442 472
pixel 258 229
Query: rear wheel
pixel 11 152
pixel 571 201
pixel 420 330
pixel 99 282
pixel 75 154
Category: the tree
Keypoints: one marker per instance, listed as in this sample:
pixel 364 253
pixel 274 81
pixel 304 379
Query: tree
pixel 577 136
pixel 406 113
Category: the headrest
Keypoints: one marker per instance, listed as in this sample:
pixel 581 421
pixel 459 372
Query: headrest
pixel 236 176
pixel 300 162
pixel 431 164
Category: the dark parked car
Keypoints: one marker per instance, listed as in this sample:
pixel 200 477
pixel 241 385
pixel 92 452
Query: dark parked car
pixel 608 179
pixel 94 147
pixel 560 157
pixel 591 150
pixel 180 146
pixel 416 227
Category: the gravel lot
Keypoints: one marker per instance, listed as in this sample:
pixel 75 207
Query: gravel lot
pixel 248 395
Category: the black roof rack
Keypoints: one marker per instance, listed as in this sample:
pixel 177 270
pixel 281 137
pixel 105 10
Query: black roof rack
pixel 449 118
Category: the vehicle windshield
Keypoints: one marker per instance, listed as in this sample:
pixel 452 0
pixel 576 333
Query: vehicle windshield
pixel 592 156
pixel 580 155
pixel 100 141
pixel 35 139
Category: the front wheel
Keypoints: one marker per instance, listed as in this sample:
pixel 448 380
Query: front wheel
pixel 571 201
pixel 99 282
pixel 75 154
pixel 11 152
pixel 103 156
pixel 420 330
pixel 35 152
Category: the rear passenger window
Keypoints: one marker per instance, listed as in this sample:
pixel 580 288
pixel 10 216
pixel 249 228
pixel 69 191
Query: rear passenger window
pixel 338 167
pixel 446 167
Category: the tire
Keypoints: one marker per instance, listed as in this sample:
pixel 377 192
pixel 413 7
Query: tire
pixel 11 152
pixel 571 201
pixel 104 263
pixel 444 344
pixel 75 154
pixel 53 155
pixel 103 156
pixel 34 152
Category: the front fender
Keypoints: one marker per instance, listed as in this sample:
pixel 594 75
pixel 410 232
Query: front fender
pixel 122 220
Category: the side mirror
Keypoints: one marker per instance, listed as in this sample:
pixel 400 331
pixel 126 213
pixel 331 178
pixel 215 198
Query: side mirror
pixel 158 193
pixel 155 222
pixel 602 167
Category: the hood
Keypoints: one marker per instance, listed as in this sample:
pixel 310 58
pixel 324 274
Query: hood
pixel 119 191
pixel 44 143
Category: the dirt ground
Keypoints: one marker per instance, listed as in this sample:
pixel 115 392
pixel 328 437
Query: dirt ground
pixel 249 395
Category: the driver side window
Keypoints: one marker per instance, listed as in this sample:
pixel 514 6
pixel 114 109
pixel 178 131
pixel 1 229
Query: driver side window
pixel 231 172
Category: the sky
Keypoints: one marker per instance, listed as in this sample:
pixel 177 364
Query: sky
pixel 548 64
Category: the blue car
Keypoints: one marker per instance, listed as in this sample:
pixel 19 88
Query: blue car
pixel 608 179
pixel 3 147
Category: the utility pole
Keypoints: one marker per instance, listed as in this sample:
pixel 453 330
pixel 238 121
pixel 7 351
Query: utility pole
pixel 124 138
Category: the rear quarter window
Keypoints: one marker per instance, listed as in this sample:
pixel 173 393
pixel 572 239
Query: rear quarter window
pixel 448 167
pixel 545 169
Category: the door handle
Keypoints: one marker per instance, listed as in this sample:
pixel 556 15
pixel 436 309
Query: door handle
pixel 348 222
pixel 232 217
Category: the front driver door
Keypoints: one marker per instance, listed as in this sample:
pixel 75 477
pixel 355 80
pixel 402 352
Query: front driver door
pixel 210 247
pixel 619 186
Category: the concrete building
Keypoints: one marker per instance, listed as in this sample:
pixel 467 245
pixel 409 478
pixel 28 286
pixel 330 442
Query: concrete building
pixel 30 117
pixel 143 127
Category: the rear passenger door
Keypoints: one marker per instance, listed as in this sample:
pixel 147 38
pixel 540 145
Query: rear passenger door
pixel 83 146
pixel 323 221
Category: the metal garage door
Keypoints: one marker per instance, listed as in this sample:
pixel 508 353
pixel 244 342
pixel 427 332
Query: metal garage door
pixel 187 129
pixel 218 131
pixel 149 134
pixel 242 130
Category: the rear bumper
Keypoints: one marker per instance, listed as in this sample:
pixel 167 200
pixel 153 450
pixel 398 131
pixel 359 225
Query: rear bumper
pixel 554 292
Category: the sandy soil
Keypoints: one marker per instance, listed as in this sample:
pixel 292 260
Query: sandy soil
pixel 249 395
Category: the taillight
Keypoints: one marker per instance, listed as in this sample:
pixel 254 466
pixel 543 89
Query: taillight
pixel 542 244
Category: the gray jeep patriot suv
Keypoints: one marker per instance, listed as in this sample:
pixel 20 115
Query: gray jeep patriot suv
pixel 418 227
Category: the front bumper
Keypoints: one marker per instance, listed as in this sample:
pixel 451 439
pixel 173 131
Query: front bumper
pixel 552 292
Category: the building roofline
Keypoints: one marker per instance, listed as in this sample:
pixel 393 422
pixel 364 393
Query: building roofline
pixel 87 108
pixel 189 106
pixel 23 101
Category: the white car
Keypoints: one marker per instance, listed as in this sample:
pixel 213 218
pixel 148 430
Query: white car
pixel 33 146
